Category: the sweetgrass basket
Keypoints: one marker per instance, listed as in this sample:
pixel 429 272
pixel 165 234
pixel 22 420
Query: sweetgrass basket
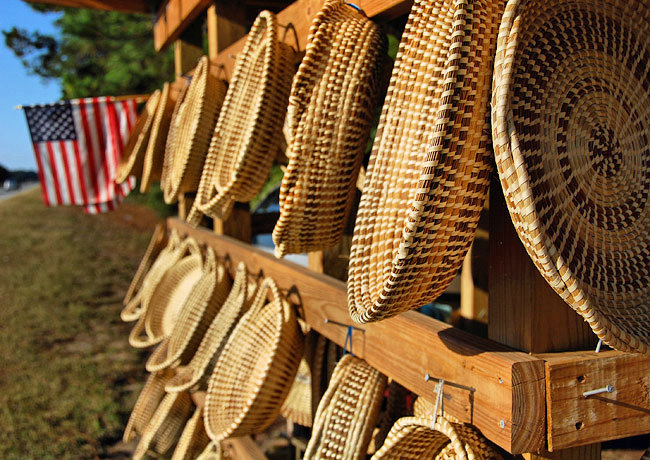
pixel 196 118
pixel 571 130
pixel 211 452
pixel 347 413
pixel 174 126
pixel 430 165
pixel 248 131
pixel 193 440
pixel 331 108
pixel 196 373
pixel 250 380
pixel 150 396
pixel 156 244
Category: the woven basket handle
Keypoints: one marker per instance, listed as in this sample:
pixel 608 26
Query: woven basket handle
pixel 133 309
pixel 136 337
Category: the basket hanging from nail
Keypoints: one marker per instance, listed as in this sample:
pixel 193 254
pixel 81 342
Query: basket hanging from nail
pixel 156 245
pixel 248 131
pixel 196 118
pixel 150 396
pixel 430 165
pixel 249 383
pixel 331 108
pixel 348 411
pixel 193 440
pixel 571 134
pixel 172 134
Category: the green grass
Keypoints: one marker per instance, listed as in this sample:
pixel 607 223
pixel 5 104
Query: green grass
pixel 67 376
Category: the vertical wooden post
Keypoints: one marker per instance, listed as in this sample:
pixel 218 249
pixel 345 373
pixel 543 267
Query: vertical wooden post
pixel 524 311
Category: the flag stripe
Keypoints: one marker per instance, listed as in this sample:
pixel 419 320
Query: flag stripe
pixel 91 152
pixel 67 173
pixel 55 174
pixel 41 174
pixel 81 172
pixel 99 130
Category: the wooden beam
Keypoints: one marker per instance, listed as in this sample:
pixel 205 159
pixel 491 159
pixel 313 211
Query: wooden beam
pixel 186 57
pixel 501 390
pixel 123 6
pixel 226 24
pixel 173 17
pixel 574 420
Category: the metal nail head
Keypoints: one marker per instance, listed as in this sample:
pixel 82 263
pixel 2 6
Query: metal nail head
pixel 606 389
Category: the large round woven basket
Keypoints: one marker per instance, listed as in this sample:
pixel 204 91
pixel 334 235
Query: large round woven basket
pixel 430 165
pixel 166 426
pixel 174 126
pixel 571 133
pixel 331 108
pixel 156 244
pixel 155 153
pixel 203 303
pixel 250 380
pixel 249 128
pixel 173 293
pixel 197 372
pixel 347 413
pixel 150 396
pixel 132 160
pixel 416 438
pixel 193 440
pixel 196 118
pixel 139 301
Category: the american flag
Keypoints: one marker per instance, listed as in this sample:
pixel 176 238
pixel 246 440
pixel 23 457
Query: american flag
pixel 78 145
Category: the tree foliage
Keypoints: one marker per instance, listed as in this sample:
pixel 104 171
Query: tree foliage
pixel 95 53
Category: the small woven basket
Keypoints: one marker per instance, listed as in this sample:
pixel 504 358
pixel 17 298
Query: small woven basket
pixel 298 407
pixel 196 373
pixel 193 440
pixel 132 160
pixel 156 244
pixel 172 134
pixel 150 396
pixel 172 294
pixel 203 303
pixel 347 413
pixel 430 165
pixel 211 452
pixel 196 118
pixel 331 108
pixel 249 128
pixel 165 427
pixel 139 301
pixel 155 153
pixel 571 133
pixel 414 438
pixel 250 380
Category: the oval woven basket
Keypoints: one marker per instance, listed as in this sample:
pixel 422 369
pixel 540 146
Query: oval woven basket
pixel 249 128
pixel 415 438
pixel 211 452
pixel 299 403
pixel 430 165
pixel 167 257
pixel 196 118
pixel 132 160
pixel 165 427
pixel 348 411
pixel 571 133
pixel 250 380
pixel 172 134
pixel 197 372
pixel 193 440
pixel 331 108
pixel 203 303
pixel 155 153
pixel 150 396
pixel 172 294
pixel 156 244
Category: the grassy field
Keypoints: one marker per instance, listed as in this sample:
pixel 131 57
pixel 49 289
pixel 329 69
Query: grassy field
pixel 68 378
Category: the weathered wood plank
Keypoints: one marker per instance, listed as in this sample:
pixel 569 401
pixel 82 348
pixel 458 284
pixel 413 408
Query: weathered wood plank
pixel 173 17
pixel 574 420
pixel 500 384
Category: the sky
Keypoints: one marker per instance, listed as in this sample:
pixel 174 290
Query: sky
pixel 17 87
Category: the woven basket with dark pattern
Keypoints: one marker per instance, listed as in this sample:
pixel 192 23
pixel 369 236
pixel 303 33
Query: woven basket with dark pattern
pixel 155 153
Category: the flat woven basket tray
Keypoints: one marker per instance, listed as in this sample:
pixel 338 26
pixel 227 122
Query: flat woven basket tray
pixel 331 108
pixel 414 438
pixel 193 440
pixel 249 129
pixel 172 134
pixel 150 396
pixel 156 244
pixel 430 165
pixel 571 132
pixel 132 160
pixel 251 378
pixel 155 153
pixel 203 303
pixel 348 411
pixel 196 118
pixel 196 373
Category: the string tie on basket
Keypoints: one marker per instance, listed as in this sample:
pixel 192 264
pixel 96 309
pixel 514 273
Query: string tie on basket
pixel 348 339
pixel 356 7
pixel 440 402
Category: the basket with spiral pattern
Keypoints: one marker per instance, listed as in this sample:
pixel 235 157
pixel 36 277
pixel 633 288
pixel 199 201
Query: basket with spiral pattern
pixel 571 134
pixel 156 244
pixel 251 379
pixel 347 413
pixel 249 128
pixel 193 440
pixel 414 438
pixel 331 108
pixel 174 126
pixel 195 122
pixel 430 165
pixel 150 396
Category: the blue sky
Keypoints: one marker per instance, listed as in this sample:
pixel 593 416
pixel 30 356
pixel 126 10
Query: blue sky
pixel 20 88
